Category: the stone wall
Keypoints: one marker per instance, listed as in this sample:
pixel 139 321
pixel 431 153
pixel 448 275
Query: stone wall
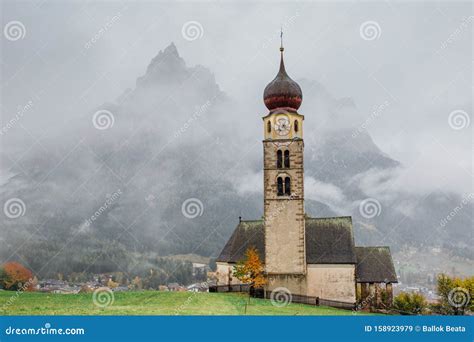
pixel 295 284
pixel 284 215
pixel 326 281
pixel 332 281
pixel 224 274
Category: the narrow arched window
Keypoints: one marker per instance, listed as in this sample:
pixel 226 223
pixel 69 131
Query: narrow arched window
pixel 287 186
pixel 296 126
pixel 279 159
pixel 280 186
pixel 269 126
pixel 287 158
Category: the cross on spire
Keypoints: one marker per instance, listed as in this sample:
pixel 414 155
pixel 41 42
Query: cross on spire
pixel 281 39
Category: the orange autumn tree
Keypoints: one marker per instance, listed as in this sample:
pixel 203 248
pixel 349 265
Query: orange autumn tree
pixel 17 277
pixel 250 270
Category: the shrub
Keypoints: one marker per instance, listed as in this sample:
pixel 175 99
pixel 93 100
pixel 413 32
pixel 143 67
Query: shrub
pixel 3 278
pixel 456 295
pixel 409 303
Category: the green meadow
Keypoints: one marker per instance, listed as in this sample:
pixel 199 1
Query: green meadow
pixel 152 303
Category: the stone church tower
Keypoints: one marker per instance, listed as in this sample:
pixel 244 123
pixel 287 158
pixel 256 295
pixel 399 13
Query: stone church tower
pixel 284 217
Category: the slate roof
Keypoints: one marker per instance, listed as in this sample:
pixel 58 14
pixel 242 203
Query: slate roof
pixel 328 241
pixel 375 265
pixel 246 234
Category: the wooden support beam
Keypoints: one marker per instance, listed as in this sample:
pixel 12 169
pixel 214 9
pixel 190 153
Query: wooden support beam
pixel 378 295
pixel 389 289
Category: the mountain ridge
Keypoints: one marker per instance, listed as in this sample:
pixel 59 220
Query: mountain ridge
pixel 170 143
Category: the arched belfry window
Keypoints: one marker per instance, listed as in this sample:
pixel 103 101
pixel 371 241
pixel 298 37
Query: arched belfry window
pixel 287 186
pixel 296 126
pixel 284 186
pixel 269 126
pixel 287 158
pixel 279 159
pixel 280 186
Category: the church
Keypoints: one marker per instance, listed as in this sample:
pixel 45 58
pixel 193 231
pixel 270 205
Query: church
pixel 305 256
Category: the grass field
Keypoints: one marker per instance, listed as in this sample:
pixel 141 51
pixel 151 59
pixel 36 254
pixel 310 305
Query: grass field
pixel 152 303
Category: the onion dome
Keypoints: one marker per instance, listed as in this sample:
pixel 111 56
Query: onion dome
pixel 282 92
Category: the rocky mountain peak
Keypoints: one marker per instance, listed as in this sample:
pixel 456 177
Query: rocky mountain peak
pixel 166 67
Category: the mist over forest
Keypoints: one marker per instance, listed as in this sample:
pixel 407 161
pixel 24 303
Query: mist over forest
pixel 105 189
pixel 178 136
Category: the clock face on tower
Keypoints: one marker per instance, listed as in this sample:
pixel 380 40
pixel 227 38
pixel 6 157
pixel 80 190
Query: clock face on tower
pixel 282 126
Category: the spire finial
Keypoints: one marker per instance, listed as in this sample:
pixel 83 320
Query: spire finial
pixel 281 39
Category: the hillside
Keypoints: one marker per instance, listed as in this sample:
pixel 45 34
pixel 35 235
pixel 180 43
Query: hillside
pixel 154 303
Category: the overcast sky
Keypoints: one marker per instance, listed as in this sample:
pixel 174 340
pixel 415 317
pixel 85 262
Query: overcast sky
pixel 415 56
